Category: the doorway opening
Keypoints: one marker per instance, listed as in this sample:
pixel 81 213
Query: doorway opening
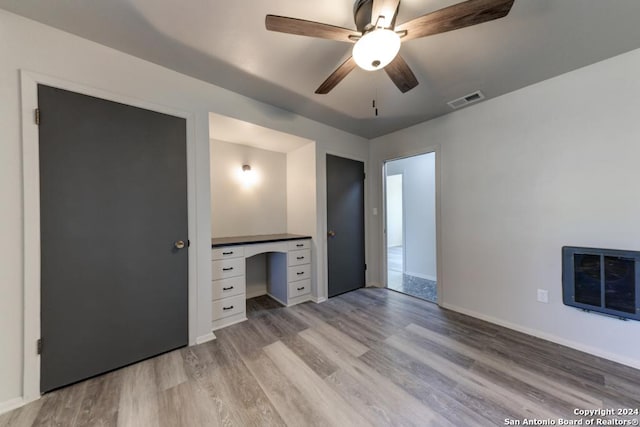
pixel 410 226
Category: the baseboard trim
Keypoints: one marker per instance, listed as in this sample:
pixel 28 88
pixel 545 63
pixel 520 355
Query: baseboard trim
pixel 318 300
pixel 205 338
pixel 374 285
pixel 228 321
pixel 11 404
pixel 421 276
pixel 548 337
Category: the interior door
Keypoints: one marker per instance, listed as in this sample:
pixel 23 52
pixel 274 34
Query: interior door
pixel 113 190
pixel 345 225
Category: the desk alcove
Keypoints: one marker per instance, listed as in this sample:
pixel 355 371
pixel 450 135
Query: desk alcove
pixel 288 272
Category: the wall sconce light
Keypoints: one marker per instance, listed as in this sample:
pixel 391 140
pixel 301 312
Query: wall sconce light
pixel 248 177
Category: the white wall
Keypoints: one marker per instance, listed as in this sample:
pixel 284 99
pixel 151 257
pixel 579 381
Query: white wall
pixel 301 190
pixel 85 63
pixel 419 193
pixel 239 208
pixel 522 175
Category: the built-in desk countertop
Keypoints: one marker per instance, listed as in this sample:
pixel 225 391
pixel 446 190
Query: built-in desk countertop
pixel 248 240
pixel 289 272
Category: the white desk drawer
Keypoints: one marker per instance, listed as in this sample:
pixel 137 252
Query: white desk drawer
pixel 227 252
pixel 301 287
pixel 299 272
pixel 228 307
pixel 228 287
pixel 225 268
pixel 295 245
pixel 299 257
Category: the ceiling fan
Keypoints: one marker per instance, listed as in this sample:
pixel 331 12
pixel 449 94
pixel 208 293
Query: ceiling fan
pixel 378 38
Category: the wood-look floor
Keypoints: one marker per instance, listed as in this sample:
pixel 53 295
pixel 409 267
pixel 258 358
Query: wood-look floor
pixel 369 357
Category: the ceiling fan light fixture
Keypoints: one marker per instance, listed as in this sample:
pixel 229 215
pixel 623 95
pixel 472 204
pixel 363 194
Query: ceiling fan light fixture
pixel 376 49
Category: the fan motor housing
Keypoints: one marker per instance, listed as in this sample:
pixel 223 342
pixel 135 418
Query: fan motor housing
pixel 362 15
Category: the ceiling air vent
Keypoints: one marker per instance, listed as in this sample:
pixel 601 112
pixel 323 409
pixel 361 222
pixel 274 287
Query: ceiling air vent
pixel 466 100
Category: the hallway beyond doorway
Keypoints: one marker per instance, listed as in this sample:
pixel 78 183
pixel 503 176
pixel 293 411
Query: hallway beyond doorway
pixel 410 225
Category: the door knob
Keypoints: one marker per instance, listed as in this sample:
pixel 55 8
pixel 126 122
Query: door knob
pixel 179 244
pixel 331 233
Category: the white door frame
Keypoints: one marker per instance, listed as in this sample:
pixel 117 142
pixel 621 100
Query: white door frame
pixel 384 279
pixel 31 213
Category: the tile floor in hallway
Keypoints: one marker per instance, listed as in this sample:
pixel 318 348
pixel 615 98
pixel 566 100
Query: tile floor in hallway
pixel 405 283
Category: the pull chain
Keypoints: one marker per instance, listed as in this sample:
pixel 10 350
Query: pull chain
pixel 377 83
pixel 375 79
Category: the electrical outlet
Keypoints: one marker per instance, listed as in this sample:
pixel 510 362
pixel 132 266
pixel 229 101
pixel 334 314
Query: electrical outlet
pixel 543 296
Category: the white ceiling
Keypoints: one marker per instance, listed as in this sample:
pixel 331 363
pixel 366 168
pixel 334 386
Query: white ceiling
pixel 236 131
pixel 225 43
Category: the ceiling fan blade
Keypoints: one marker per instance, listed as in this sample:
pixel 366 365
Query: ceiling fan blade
pixel 301 27
pixel 400 73
pixel 386 8
pixel 465 14
pixel 337 76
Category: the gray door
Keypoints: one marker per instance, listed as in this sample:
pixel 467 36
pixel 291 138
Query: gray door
pixel 345 224
pixel 113 194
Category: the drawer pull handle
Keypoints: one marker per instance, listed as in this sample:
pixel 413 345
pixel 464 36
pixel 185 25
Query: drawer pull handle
pixel 299 245
pixel 227 269
pixel 300 257
pixel 227 308
pixel 300 288
pixel 300 273
pixel 227 253
pixel 227 289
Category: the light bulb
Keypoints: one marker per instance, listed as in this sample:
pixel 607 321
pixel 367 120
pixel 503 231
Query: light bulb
pixel 247 176
pixel 376 49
